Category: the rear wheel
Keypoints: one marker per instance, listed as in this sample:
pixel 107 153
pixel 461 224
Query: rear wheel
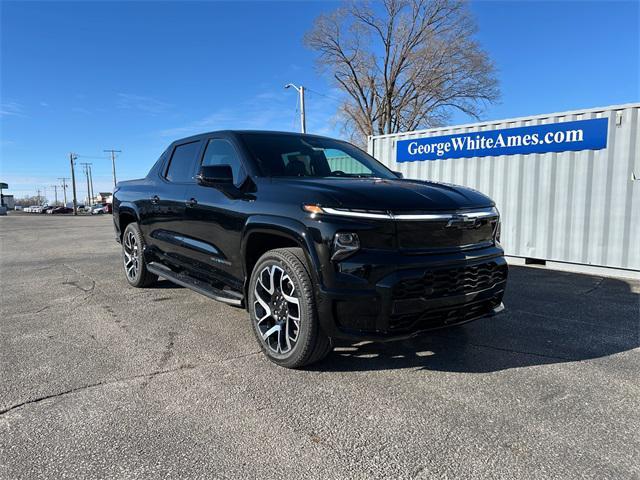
pixel 135 268
pixel 283 311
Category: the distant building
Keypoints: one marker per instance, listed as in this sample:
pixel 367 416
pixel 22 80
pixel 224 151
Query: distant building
pixel 102 197
pixel 8 201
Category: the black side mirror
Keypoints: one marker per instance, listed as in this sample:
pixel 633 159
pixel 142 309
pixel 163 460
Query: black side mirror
pixel 399 174
pixel 215 175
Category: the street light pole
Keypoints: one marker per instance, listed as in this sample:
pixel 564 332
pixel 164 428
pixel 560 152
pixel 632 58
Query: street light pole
pixel 303 120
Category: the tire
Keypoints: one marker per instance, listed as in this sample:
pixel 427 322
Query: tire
pixel 135 267
pixel 283 310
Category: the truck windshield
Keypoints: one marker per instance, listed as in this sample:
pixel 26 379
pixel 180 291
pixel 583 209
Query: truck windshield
pixel 292 155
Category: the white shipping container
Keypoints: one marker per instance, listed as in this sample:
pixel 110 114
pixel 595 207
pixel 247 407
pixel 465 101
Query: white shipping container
pixel 580 207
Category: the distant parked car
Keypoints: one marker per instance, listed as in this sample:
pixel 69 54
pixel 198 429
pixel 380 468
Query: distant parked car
pixel 98 209
pixel 47 208
pixel 58 210
pixel 18 208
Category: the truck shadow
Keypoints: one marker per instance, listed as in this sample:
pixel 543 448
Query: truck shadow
pixel 551 317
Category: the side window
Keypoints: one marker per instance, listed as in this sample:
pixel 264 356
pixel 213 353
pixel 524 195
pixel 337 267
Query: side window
pixel 222 152
pixel 182 162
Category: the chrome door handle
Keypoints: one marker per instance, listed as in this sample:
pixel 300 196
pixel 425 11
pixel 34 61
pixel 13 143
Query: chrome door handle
pixel 192 202
pixel 155 199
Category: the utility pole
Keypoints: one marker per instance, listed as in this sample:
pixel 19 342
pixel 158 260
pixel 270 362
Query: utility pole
pixel 72 158
pixel 113 164
pixel 55 194
pixel 85 166
pixel 93 194
pixel 64 188
pixel 303 120
pixel 38 197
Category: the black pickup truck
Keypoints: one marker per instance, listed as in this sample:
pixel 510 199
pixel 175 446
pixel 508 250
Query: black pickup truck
pixel 315 238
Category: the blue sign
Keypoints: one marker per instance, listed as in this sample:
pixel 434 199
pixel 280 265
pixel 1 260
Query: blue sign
pixel 554 137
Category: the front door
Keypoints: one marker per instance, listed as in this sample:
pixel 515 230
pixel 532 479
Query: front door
pixel 215 219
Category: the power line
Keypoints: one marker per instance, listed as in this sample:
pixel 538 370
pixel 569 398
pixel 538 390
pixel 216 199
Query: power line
pixel 91 157
pixel 323 95
pixel 295 114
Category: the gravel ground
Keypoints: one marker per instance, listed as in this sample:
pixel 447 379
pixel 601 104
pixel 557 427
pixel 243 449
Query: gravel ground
pixel 101 380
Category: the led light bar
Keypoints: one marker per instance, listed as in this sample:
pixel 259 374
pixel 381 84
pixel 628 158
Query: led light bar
pixel 385 215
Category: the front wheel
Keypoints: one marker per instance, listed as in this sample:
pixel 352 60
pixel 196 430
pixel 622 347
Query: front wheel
pixel 135 267
pixel 283 311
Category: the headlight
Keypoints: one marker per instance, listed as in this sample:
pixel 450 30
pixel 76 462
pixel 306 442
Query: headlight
pixel 498 227
pixel 315 210
pixel 344 244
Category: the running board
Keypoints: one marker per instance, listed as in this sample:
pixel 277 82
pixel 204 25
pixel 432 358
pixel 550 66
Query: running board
pixel 196 285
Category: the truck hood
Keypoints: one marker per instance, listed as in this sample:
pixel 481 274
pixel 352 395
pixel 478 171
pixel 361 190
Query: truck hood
pixel 383 194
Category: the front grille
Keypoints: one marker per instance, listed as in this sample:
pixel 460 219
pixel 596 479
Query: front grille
pixel 438 236
pixel 451 281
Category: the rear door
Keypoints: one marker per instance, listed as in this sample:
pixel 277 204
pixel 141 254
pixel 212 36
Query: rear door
pixel 164 220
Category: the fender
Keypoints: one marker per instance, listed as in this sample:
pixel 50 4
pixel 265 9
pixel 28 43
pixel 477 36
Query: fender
pixel 125 207
pixel 284 227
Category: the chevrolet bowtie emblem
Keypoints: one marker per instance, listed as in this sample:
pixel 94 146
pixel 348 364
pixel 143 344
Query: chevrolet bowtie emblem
pixel 462 221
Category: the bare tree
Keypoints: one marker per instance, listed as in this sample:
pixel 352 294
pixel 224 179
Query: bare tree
pixel 403 64
pixel 27 201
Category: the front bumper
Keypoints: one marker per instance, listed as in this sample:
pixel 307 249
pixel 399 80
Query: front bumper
pixel 433 292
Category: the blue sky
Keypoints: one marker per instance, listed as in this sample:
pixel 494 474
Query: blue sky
pixel 87 76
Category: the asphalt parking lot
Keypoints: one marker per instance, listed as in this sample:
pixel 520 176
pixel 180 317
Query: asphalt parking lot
pixel 100 380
